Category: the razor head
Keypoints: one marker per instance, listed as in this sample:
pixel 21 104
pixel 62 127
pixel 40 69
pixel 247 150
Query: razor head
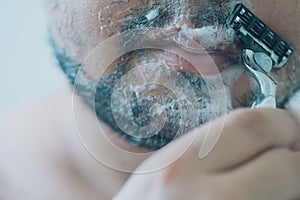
pixel 257 36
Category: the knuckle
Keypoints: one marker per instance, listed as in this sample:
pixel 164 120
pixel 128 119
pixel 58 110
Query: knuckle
pixel 214 195
pixel 248 119
pixel 286 160
pixel 290 164
pixel 235 192
pixel 295 162
pixel 283 155
pixel 223 195
pixel 253 122
pixel 225 190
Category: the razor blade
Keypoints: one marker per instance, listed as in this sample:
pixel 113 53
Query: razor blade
pixel 258 37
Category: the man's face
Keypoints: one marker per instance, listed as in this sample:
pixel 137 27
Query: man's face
pixel 174 90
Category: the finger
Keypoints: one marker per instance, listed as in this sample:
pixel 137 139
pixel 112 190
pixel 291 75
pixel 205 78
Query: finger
pixel 296 147
pixel 247 133
pixel 274 175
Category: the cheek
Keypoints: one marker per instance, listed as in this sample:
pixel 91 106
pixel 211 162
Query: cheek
pixel 91 22
pixel 112 15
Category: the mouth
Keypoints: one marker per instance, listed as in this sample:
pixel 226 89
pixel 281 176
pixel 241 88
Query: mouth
pixel 189 50
pixel 205 51
pixel 204 62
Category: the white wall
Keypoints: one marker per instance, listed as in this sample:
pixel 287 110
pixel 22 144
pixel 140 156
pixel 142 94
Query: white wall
pixel 27 67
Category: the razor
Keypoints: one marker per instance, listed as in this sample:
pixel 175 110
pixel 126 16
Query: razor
pixel 263 51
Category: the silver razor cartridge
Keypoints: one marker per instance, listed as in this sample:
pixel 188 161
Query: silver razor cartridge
pixel 263 50
pixel 258 37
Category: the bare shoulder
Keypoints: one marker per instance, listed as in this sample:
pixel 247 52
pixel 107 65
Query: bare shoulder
pixel 34 163
pixel 36 115
pixel 35 123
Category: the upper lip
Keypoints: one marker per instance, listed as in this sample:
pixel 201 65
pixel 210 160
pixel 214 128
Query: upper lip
pixel 203 61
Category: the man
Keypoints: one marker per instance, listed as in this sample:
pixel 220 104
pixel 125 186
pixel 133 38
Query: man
pixel 254 158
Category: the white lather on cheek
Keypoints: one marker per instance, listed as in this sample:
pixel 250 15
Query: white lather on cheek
pixel 110 22
pixel 208 37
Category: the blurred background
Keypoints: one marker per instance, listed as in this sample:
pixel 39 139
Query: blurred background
pixel 28 67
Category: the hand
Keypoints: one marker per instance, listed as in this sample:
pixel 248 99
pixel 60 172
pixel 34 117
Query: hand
pixel 255 158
